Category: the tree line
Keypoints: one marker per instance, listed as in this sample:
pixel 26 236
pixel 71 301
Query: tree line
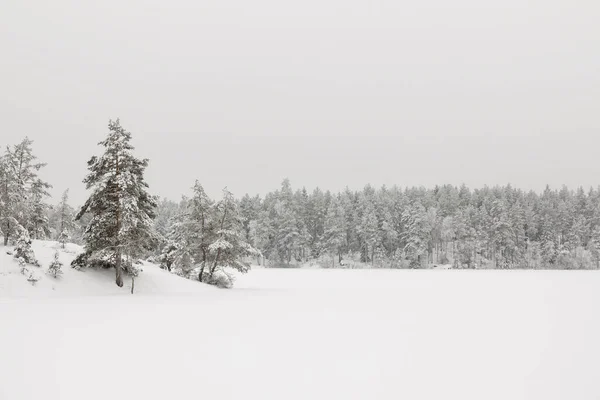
pixel 197 237
pixel 490 227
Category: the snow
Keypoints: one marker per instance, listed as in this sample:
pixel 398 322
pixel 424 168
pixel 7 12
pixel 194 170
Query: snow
pixel 90 282
pixel 301 334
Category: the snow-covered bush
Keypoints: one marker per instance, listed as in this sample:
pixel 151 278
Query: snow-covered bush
pixel 24 251
pixel 55 268
pixel 33 278
pixel 154 259
pixel 23 266
pixel 99 259
pixel 220 278
pixel 81 261
pixel 168 256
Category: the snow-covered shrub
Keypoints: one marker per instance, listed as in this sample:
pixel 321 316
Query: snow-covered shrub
pixel 55 268
pixel 23 266
pixel 33 278
pixel 100 259
pixel 168 256
pixel 154 259
pixel 221 279
pixel 81 261
pixel 23 250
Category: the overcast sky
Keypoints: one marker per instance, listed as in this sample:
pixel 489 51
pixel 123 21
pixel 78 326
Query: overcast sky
pixel 329 93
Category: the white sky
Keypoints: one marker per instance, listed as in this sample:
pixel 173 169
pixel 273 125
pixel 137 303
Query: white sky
pixel 326 92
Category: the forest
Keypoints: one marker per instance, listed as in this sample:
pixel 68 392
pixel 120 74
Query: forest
pixel 498 227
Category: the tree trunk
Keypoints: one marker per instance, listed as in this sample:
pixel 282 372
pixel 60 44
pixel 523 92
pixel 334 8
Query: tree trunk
pixel 200 275
pixel 119 275
pixel 132 283
pixel 214 266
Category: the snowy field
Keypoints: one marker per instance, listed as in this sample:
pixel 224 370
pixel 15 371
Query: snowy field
pixel 301 334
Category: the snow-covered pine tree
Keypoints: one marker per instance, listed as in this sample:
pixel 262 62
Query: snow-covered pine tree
pixel 165 213
pixel 23 249
pixel 65 218
pixel 335 230
pixel 201 226
pixel 55 268
pixel 38 210
pixel 121 208
pixel 63 238
pixel 229 249
pixel 595 245
pixel 367 230
pixel 18 183
pixel 416 234
pixel 193 231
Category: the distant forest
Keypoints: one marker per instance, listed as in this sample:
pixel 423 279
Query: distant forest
pixel 490 227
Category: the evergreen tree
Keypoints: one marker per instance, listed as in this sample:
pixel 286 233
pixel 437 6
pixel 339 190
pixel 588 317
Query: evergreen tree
pixel 229 249
pixel 121 208
pixel 65 219
pixel 165 212
pixel 196 229
pixel 21 192
pixel 23 250
pixel 55 268
pixel 335 230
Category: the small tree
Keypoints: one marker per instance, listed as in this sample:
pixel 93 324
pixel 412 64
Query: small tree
pixel 24 251
pixel 63 238
pixel 55 268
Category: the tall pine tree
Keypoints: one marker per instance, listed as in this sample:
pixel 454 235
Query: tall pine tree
pixel 121 208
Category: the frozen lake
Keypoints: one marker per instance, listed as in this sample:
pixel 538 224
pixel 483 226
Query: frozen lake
pixel 315 334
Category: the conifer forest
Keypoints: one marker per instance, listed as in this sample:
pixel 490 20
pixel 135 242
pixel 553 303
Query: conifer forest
pixel 192 235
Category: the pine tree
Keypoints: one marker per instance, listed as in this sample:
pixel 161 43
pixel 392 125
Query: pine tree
pixel 229 249
pixel 121 208
pixel 416 234
pixel 335 229
pixel 194 230
pixel 21 191
pixel 55 268
pixel 165 213
pixel 367 229
pixel 595 245
pixel 63 238
pixel 65 219
pixel 23 250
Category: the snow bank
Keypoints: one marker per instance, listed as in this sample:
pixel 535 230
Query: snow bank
pixel 88 282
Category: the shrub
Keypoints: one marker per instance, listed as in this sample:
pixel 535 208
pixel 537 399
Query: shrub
pixel 219 279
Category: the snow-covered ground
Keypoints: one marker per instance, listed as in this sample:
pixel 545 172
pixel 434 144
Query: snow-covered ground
pixel 303 334
pixel 152 280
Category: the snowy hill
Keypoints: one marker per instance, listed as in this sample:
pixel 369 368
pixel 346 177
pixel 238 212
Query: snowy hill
pixel 90 282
